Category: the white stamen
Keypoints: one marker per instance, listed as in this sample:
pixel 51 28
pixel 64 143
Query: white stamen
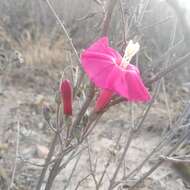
pixel 131 49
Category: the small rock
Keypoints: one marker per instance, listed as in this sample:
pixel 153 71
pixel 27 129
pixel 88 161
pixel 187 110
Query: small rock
pixel 41 125
pixel 42 151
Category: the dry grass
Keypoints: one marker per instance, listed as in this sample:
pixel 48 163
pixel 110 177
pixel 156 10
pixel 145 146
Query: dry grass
pixel 39 52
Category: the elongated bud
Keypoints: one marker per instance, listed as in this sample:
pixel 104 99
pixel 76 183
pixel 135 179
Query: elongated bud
pixel 103 99
pixel 67 96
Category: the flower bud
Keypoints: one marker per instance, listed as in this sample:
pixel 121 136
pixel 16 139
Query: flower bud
pixel 103 99
pixel 46 112
pixel 67 96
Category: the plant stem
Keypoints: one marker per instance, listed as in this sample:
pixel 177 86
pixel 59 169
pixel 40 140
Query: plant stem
pixel 108 16
pixel 48 159
pixel 130 137
pixel 55 169
pixel 84 107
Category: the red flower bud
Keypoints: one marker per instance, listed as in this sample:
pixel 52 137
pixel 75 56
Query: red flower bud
pixel 103 99
pixel 67 96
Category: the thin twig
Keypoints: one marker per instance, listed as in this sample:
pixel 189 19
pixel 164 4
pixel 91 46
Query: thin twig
pixel 72 172
pixel 56 130
pixel 155 24
pixel 71 157
pixel 91 124
pixel 108 163
pixel 178 63
pixel 123 22
pixel 174 160
pixel 48 159
pixel 129 140
pixel 85 106
pixel 57 167
pixel 130 137
pixel 181 140
pixel 171 43
pixel 33 163
pixel 54 171
pixel 149 106
pixel 98 2
pixel 182 20
pixel 16 156
pixel 79 183
pixel 92 171
pixel 108 16
pixel 167 103
pixel 90 15
pixel 141 15
pixel 64 30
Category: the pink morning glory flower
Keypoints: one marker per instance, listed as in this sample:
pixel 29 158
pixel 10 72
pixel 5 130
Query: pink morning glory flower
pixel 112 72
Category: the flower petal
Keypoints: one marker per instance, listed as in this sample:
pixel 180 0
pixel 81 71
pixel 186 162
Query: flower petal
pixel 128 84
pixel 98 60
pixel 102 46
pixel 97 66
